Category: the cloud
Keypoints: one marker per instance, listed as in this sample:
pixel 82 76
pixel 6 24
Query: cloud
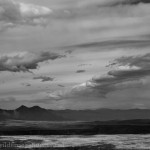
pixel 26 84
pixel 114 3
pixel 105 20
pixel 126 73
pixel 131 2
pixel 44 78
pixel 104 3
pixel 80 65
pixel 14 13
pixel 68 51
pixel 80 71
pixel 143 62
pixel 7 100
pixel 61 85
pixel 110 44
pixel 25 61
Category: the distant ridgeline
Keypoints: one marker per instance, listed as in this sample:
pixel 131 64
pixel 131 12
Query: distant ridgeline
pixel 37 113
pixel 39 121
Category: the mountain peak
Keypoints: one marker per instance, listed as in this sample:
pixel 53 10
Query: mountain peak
pixel 36 108
pixel 22 107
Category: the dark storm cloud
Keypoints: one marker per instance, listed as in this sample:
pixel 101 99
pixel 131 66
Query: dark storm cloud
pixel 44 78
pixel 127 73
pixel 26 61
pixel 80 71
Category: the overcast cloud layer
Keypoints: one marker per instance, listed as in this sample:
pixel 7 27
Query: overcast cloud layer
pixel 75 54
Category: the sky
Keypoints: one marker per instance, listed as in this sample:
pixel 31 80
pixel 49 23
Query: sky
pixel 75 54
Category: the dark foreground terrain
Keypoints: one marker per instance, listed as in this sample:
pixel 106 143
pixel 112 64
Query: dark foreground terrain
pixel 88 147
pixel 13 127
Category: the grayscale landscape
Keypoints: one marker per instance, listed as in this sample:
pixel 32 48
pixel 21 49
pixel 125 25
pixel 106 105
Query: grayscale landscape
pixel 74 74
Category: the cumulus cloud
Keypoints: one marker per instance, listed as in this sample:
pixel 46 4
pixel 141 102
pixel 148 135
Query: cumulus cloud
pixel 44 78
pixel 126 73
pixel 25 61
pixel 14 13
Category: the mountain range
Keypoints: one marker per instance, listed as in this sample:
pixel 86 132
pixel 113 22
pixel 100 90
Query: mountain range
pixel 37 113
